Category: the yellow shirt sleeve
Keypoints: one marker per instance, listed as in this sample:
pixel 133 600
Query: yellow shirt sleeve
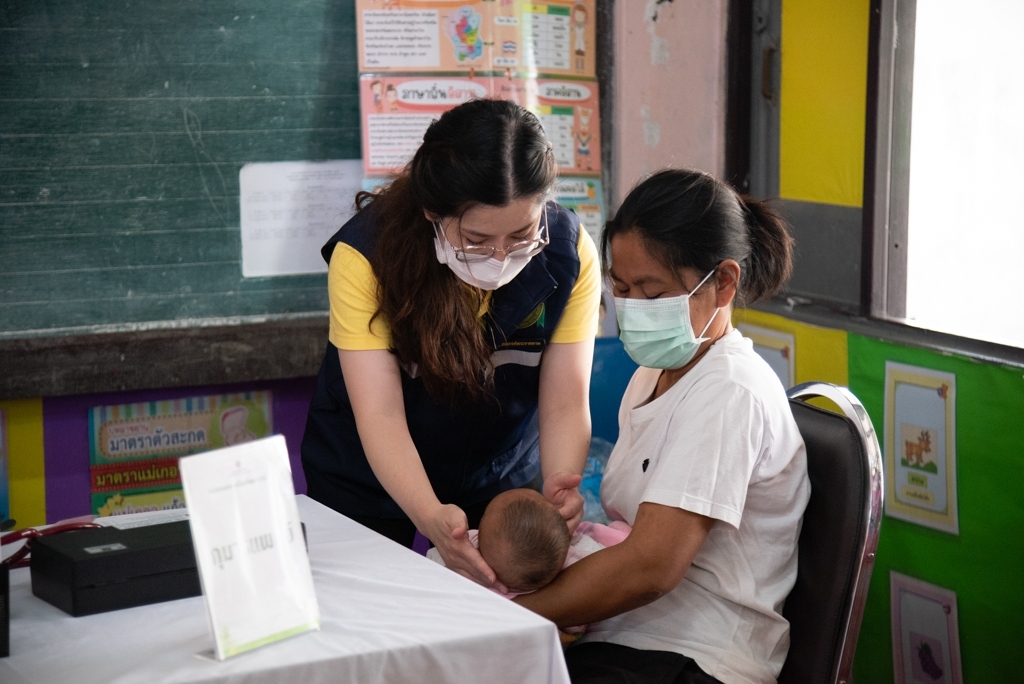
pixel 581 316
pixel 352 290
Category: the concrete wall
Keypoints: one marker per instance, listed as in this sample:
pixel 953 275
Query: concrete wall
pixel 670 81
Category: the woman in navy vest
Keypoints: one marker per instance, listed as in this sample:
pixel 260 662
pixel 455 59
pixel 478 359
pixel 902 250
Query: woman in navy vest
pixel 464 306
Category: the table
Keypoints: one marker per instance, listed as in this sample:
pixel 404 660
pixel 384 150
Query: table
pixel 388 615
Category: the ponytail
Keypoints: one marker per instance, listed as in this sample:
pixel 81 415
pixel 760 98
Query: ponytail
pixel 690 219
pixel 771 251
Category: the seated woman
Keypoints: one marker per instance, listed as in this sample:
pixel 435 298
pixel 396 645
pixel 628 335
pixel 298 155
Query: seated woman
pixel 709 469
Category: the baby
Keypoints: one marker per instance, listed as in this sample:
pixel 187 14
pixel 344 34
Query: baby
pixel 524 539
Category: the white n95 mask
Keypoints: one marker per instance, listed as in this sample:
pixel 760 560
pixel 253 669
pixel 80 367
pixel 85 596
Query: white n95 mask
pixel 657 333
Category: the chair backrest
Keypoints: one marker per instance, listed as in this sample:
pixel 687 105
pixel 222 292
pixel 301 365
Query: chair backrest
pixel 838 539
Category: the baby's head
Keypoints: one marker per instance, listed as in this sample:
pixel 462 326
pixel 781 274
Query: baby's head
pixel 524 539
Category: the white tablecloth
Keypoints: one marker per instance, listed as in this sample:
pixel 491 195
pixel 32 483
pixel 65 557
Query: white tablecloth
pixel 389 615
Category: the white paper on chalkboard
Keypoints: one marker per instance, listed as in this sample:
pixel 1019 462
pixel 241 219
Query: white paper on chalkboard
pixel 290 209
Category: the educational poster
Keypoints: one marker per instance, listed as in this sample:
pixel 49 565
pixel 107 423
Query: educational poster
pixel 5 484
pixel 397 110
pixel 555 37
pixel 134 448
pixel 920 446
pixel 569 111
pixel 925 637
pixel 290 209
pixel 778 349
pixel 585 197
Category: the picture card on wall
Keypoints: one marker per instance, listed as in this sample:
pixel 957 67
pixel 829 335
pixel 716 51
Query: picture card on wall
pixel 920 446
pixel 778 349
pixel 925 636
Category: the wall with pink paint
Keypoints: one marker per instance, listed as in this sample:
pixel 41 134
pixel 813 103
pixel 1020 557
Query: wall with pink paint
pixel 670 86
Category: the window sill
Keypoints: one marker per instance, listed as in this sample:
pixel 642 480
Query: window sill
pixel 831 315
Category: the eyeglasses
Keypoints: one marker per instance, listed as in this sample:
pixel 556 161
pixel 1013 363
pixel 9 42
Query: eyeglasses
pixel 517 250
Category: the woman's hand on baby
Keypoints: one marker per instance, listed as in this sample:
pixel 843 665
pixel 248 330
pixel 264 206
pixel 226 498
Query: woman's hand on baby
pixel 448 528
pixel 562 489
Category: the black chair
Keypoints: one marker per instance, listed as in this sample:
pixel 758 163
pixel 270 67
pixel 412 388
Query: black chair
pixel 838 539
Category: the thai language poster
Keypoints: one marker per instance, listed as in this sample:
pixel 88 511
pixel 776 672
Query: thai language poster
pixel 554 38
pixel 396 111
pixel 585 197
pixel 134 448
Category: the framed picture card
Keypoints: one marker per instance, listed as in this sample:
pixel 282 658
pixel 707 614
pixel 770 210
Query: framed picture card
pixel 920 446
pixel 925 638
pixel 778 349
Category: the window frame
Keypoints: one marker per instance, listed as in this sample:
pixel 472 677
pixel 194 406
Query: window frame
pixel 883 266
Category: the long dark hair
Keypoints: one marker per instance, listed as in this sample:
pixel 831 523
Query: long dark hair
pixel 689 219
pixel 481 152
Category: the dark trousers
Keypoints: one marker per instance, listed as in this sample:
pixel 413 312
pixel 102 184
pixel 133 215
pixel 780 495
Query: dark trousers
pixel 599 662
pixel 403 531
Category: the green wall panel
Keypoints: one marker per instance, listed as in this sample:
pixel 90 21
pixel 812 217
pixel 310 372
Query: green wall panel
pixel 984 565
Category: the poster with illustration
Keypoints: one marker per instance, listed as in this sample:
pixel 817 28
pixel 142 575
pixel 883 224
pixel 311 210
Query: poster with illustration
pixel 569 111
pixel 920 446
pixel 134 448
pixel 555 37
pixel 396 111
pixel 778 349
pixel 585 197
pixel 925 637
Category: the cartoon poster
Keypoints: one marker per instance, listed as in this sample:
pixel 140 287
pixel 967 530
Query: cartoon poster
pixel 920 446
pixel 585 197
pixel 925 636
pixel 134 448
pixel 556 37
pixel 396 111
pixel 778 349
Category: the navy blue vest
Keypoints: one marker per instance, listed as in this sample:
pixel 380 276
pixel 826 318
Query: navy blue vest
pixel 470 453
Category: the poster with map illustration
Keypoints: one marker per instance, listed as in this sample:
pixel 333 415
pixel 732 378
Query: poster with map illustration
pixel 920 446
pixel 556 38
pixel 396 111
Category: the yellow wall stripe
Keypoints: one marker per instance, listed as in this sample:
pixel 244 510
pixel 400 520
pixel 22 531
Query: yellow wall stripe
pixel 26 469
pixel 821 353
pixel 823 100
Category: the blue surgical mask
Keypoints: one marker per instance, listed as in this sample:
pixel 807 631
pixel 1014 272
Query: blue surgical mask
pixel 657 333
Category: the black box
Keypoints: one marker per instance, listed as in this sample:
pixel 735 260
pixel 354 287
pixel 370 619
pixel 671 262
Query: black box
pixel 96 570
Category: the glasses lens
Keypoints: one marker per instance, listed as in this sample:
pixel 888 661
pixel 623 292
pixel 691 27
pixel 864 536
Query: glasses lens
pixel 467 256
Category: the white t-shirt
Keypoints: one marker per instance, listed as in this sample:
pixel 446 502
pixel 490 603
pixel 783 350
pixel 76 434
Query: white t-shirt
pixel 721 442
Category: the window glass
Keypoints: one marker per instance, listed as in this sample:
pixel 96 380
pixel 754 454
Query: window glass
pixel 966 207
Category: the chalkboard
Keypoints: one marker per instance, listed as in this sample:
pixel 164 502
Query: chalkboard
pixel 123 126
